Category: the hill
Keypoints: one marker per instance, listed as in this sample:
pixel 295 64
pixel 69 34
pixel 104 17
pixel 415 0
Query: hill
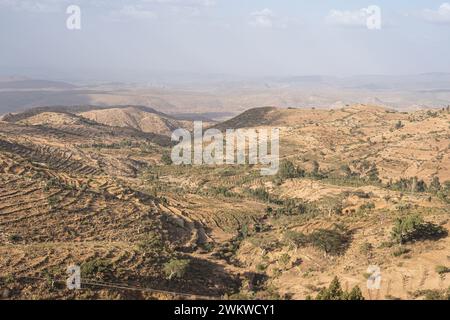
pixel 140 118
pixel 357 186
pixel 145 120
pixel 399 144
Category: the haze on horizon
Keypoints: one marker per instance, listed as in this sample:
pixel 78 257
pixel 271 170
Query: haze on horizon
pixel 133 40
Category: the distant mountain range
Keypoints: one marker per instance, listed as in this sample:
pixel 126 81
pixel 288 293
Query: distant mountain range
pixel 207 98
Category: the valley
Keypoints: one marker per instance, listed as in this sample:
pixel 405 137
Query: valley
pixel 94 186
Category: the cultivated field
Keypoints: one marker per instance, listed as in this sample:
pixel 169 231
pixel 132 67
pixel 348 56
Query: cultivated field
pixel 94 186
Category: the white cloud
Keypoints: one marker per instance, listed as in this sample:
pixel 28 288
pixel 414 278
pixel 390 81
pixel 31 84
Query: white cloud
pixel 349 18
pixel 439 16
pixel 262 19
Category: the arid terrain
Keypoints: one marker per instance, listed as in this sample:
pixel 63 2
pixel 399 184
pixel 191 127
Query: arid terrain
pixel 358 186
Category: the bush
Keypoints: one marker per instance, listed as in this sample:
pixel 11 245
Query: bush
pixel 292 207
pixel 151 242
pixel 366 248
pixel 260 194
pixel 400 251
pixel 261 267
pixel 289 171
pixel 176 268
pixel 373 173
pixel 367 207
pixel 399 125
pixel 97 268
pixel 355 294
pixel 332 242
pixel 412 228
pixel 335 292
pixel 166 159
pixel 435 184
pixel 14 238
pixel 442 270
pixel 284 260
pixel 293 238
pixel 433 294
pixel 346 170
pixel 409 185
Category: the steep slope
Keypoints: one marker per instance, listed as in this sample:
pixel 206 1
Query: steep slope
pixel 66 199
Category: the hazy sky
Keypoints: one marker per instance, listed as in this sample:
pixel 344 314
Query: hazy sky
pixel 122 38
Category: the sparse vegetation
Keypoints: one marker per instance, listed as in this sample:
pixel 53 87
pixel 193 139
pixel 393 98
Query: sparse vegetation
pixel 433 294
pixel 108 198
pixel 400 251
pixel 442 270
pixel 335 292
pixel 166 159
pixel 96 268
pixel 287 170
pixel 176 268
pixel 413 228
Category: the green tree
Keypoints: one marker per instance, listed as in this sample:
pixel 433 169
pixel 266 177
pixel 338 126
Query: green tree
pixel 335 292
pixel 355 294
pixel 332 242
pixel 413 227
pixel 435 184
pixel 176 268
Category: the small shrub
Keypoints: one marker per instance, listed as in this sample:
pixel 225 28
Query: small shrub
pixel 433 294
pixel 166 159
pixel 399 125
pixel 442 270
pixel 367 206
pixel 284 260
pixel 366 248
pixel 260 194
pixel 14 238
pixel 151 242
pixel 176 268
pixel 261 267
pixel 386 244
pixel 97 268
pixel 400 251
pixel 289 171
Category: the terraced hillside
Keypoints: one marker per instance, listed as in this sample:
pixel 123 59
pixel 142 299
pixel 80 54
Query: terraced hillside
pixel 357 187
pixel 65 201
pixel 399 144
pixel 140 118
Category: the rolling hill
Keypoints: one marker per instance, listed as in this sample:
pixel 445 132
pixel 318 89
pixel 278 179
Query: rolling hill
pixel 103 196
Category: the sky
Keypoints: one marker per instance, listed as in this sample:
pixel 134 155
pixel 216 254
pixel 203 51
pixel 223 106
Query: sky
pixel 127 39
